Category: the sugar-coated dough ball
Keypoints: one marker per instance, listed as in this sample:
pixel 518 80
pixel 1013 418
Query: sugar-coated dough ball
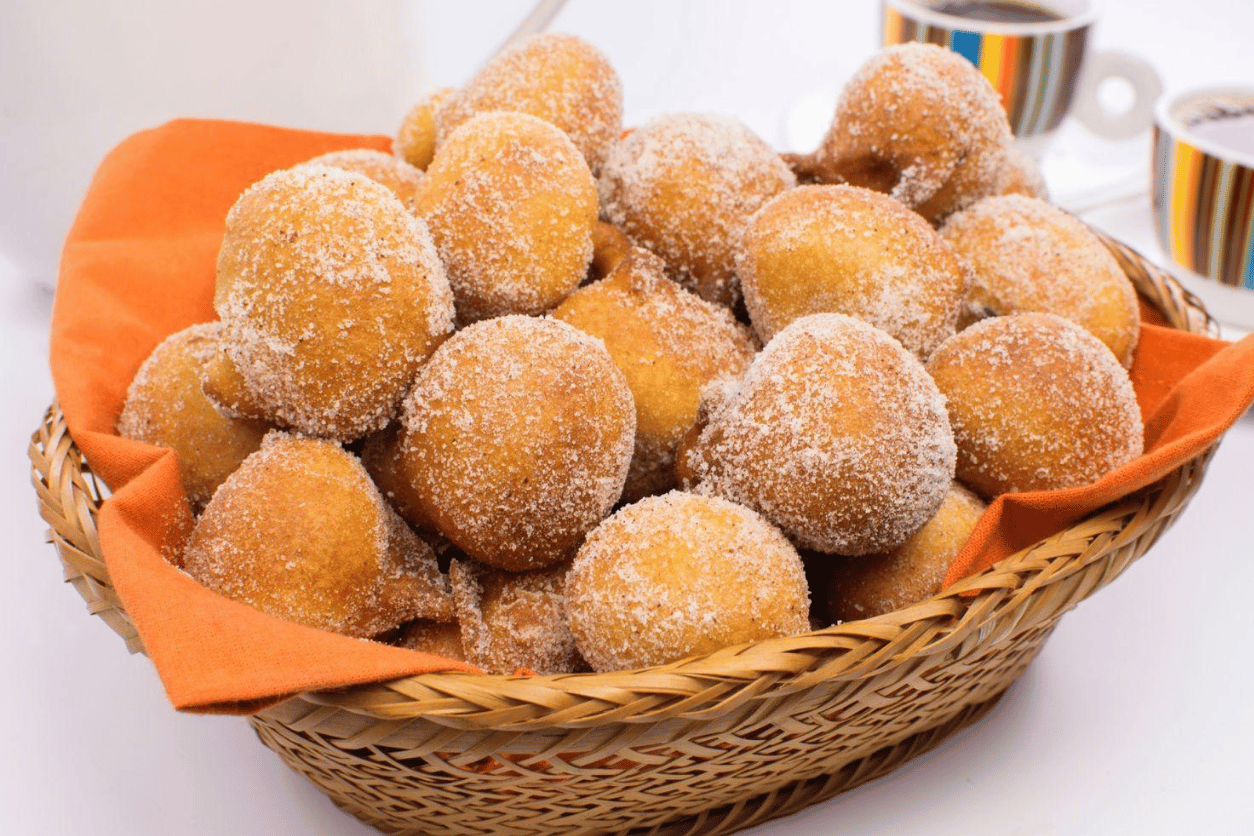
pixel 511 205
pixel 559 78
pixel 1036 403
pixel 610 245
pixel 1021 175
pixel 330 294
pixel 514 620
pixel 383 459
pixel 842 249
pixel 518 435
pixel 684 186
pixel 439 638
pixel 874 584
pixel 836 434
pixel 1028 255
pixel 415 140
pixel 399 176
pixel 669 343
pixel 921 123
pixel 679 575
pixel 300 532
pixel 165 405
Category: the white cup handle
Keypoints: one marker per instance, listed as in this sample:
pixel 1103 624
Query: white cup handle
pixel 1146 88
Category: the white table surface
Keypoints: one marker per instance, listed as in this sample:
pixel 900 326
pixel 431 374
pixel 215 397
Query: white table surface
pixel 1136 717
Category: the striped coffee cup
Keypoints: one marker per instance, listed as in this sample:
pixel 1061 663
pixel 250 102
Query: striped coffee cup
pixel 1033 55
pixel 1203 186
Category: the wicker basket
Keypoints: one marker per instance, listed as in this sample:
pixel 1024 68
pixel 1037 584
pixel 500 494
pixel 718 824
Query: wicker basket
pixel 706 745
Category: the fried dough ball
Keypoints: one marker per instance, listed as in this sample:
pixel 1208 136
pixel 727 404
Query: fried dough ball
pixel 166 406
pixel 399 176
pixel 559 78
pixel 871 585
pixel 330 294
pixel 382 457
pixel 1021 175
pixel 517 438
pixel 609 246
pixel 439 638
pixel 836 434
pixel 679 575
pixel 669 343
pixel 921 123
pixel 300 532
pixel 511 621
pixel 684 186
pixel 511 206
pixel 415 140
pixel 1031 256
pixel 841 249
pixel 1036 403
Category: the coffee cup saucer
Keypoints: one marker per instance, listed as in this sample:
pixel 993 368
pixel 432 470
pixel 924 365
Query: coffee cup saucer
pixel 1085 171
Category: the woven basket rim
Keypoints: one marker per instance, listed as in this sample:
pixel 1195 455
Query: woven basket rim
pixel 714 683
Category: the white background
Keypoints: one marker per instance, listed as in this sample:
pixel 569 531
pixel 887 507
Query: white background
pixel 1135 718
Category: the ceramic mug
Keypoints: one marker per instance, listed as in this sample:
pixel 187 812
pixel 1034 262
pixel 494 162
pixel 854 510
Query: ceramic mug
pixel 1203 194
pixel 1037 56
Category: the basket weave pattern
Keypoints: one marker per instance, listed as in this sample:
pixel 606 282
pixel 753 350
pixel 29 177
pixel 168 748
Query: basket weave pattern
pixel 707 745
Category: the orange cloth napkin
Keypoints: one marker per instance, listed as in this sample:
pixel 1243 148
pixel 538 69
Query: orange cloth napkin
pixel 1190 388
pixel 139 265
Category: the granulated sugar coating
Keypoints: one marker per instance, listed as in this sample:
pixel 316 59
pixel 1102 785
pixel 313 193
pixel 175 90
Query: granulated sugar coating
pixel 415 140
pixel 684 186
pixel 679 575
pixel 836 434
pixel 669 343
pixel 330 293
pixel 381 456
pixel 560 78
pixel 1031 256
pixel 393 172
pixel 610 245
pixel 1021 175
pixel 511 205
pixel 841 249
pixel 166 405
pixel 921 123
pixel 1037 403
pixel 514 620
pixel 517 438
pixel 874 584
pixel 439 638
pixel 300 532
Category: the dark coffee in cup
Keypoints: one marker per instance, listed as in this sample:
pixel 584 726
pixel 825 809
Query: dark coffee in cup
pixel 997 11
pixel 1232 130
